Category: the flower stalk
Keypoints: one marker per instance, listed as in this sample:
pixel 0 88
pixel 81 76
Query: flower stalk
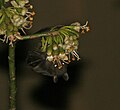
pixel 12 78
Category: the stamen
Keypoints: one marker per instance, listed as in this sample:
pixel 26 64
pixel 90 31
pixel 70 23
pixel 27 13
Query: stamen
pixel 4 38
pixel 69 58
pixel 27 27
pixel 76 55
pixel 23 31
pixel 65 62
pixel 59 64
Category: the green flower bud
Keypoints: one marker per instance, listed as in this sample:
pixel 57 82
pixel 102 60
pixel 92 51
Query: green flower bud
pixel 49 50
pixel 55 52
pixel 74 37
pixel 62 55
pixel 50 58
pixel 61 50
pixel 65 58
pixel 67 42
pixel 24 11
pixel 67 47
pixel 15 29
pixel 60 45
pixel 22 3
pixel 75 47
pixel 2 32
pixel 66 38
pixel 10 27
pixel 55 47
pixel 71 38
pixel 6 0
pixel 76 42
pixel 14 3
pixel 76 26
pixel 16 18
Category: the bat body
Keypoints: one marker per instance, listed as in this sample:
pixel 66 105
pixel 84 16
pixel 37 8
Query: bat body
pixel 37 60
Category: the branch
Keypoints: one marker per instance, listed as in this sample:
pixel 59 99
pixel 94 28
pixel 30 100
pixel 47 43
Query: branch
pixel 38 35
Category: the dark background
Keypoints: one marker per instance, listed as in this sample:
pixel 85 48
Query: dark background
pixel 94 82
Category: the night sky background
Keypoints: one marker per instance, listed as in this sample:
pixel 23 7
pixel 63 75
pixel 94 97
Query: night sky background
pixel 94 82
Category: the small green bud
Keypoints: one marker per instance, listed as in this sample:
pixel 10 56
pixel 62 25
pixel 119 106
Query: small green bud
pixel 14 3
pixel 60 45
pixel 61 50
pixel 50 58
pixel 67 47
pixel 15 29
pixel 22 3
pixel 16 18
pixel 55 47
pixel 71 38
pixel 55 52
pixel 6 0
pixel 10 27
pixel 66 38
pixel 67 42
pixel 61 55
pixel 75 42
pixel 49 50
pixel 75 47
pixel 76 26
pixel 65 58
pixel 74 37
pixel 7 21
pixel 2 32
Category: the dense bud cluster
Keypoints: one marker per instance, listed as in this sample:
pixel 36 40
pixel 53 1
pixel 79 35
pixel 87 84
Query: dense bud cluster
pixel 17 16
pixel 62 47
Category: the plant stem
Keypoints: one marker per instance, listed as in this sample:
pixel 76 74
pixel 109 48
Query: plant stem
pixel 37 35
pixel 12 78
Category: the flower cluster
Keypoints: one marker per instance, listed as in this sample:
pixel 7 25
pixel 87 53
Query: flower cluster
pixel 17 16
pixel 62 47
